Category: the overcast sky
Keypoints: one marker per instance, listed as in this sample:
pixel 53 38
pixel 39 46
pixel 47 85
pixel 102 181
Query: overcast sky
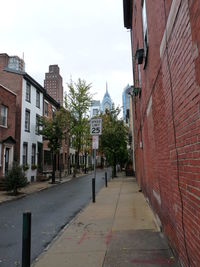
pixel 85 38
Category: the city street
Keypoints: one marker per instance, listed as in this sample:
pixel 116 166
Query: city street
pixel 51 210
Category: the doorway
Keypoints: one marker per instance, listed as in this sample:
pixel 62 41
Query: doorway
pixel 7 158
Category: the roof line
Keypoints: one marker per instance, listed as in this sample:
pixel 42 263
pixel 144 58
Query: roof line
pixel 8 89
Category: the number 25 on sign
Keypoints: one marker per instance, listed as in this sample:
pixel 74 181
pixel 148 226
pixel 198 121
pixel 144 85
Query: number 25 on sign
pixel 96 126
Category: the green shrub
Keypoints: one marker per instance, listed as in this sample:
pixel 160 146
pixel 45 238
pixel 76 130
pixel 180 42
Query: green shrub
pixel 33 167
pixel 25 167
pixel 15 178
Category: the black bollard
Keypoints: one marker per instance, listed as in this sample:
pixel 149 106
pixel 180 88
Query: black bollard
pixel 26 240
pixel 106 180
pixel 93 190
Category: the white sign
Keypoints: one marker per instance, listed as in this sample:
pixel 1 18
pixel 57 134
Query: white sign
pixel 95 142
pixel 96 126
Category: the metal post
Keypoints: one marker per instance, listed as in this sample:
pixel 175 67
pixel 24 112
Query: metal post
pixel 106 179
pixel 94 179
pixel 94 163
pixel 93 190
pixel 26 240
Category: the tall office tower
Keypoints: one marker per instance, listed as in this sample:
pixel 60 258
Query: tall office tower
pixel 53 83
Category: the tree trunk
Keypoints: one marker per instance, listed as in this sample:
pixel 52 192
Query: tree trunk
pixel 77 158
pixel 114 167
pixel 75 165
pixel 85 162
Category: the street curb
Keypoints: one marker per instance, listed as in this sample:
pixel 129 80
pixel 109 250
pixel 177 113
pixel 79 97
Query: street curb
pixel 27 194
pixel 42 189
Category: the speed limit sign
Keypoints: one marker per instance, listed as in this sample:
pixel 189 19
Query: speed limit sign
pixel 96 126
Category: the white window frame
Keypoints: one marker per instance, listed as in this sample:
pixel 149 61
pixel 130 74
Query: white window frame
pixel 28 92
pixel 95 111
pixel 33 154
pixel 37 98
pixel 25 149
pixel 145 30
pixel 53 112
pixel 46 104
pixel 144 18
pixel 27 122
pixel 6 116
pixel 37 127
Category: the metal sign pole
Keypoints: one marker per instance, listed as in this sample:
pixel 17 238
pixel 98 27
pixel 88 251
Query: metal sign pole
pixel 95 131
pixel 94 180
pixel 95 163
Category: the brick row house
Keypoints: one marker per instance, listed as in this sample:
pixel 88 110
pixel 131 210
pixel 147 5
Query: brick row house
pixel 7 128
pixel 62 161
pixel 31 103
pixel 165 42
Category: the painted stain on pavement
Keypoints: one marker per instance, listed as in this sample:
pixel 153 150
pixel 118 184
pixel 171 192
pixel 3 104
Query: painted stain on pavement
pixel 82 238
pixel 108 238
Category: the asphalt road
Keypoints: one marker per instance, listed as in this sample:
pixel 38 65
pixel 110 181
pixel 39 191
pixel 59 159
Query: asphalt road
pixel 51 210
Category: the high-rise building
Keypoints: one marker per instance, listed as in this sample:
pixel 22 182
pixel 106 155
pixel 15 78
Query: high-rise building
pixel 106 102
pixel 53 83
pixel 97 107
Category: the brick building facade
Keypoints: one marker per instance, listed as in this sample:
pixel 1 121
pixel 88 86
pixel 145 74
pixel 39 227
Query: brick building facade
pixel 166 66
pixel 53 83
pixel 30 105
pixel 7 128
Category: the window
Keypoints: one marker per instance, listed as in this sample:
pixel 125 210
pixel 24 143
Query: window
pixel 28 92
pixel 37 99
pixel 33 155
pixel 95 112
pixel 27 120
pixel 135 9
pixel 4 116
pixel 145 29
pixel 0 153
pixel 37 125
pixel 53 112
pixel 25 154
pixel 46 109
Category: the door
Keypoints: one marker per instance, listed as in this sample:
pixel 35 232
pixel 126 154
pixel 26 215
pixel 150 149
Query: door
pixel 7 159
pixel 40 157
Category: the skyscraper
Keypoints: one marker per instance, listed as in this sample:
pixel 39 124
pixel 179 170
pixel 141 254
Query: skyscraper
pixel 107 101
pixel 53 83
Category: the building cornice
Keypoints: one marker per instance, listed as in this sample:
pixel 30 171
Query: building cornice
pixel 7 89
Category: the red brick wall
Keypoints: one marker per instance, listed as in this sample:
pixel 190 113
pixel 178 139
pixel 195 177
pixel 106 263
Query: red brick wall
pixel 168 165
pixel 8 99
pixel 14 83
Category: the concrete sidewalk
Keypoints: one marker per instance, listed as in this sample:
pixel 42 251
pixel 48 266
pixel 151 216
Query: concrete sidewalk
pixel 119 230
